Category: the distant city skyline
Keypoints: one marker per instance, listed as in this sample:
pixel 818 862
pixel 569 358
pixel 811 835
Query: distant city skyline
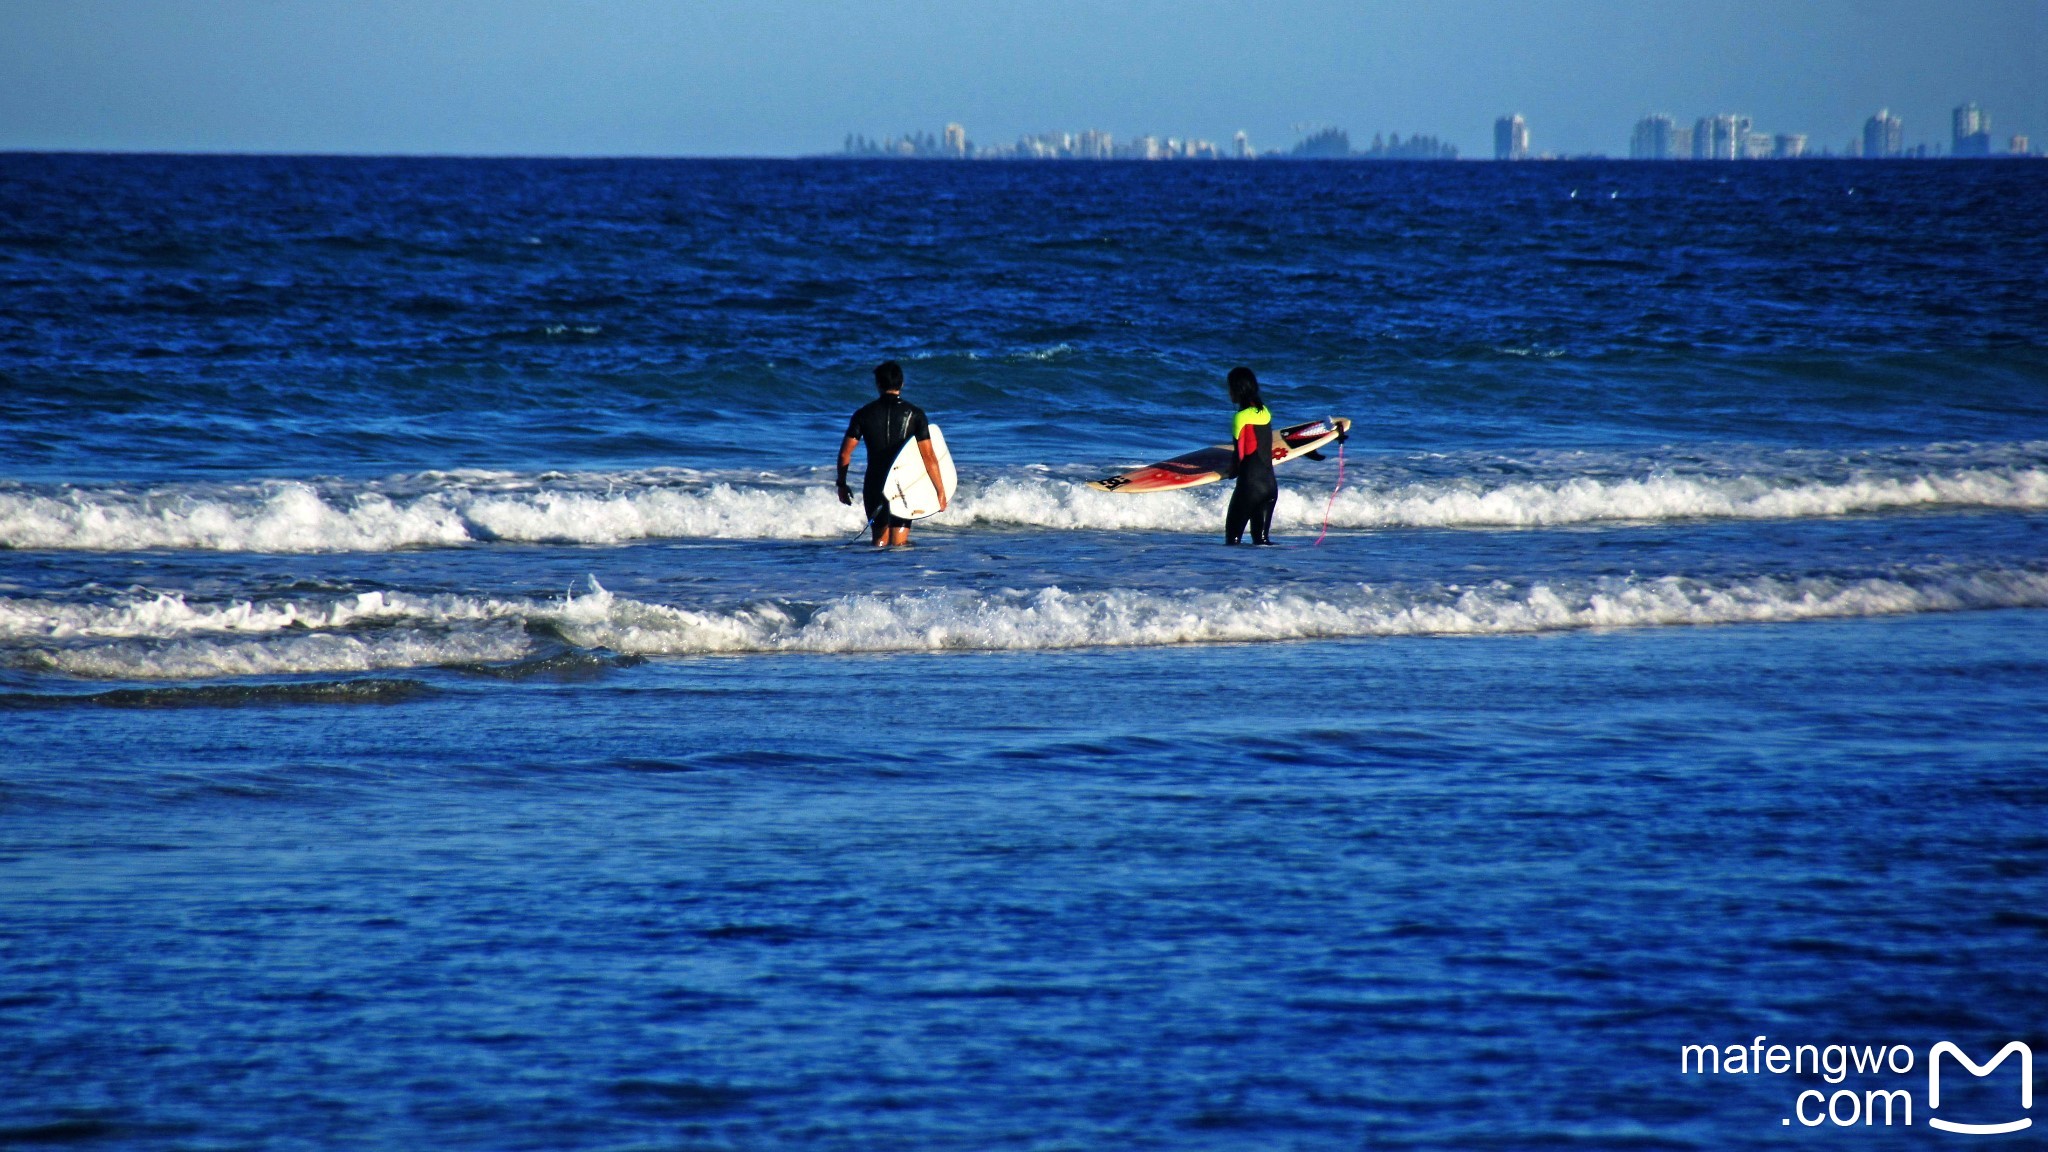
pixel 1723 136
pixel 954 143
pixel 1730 136
pixel 778 77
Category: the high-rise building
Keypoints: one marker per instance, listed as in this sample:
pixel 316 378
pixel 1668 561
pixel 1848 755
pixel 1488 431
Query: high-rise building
pixel 1681 143
pixel 956 141
pixel 1045 146
pixel 1884 135
pixel 1652 139
pixel 1971 134
pixel 1788 146
pixel 1510 138
pixel 1241 147
pixel 1758 146
pixel 2020 146
pixel 1722 137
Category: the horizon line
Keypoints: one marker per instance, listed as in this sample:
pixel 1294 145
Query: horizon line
pixel 843 157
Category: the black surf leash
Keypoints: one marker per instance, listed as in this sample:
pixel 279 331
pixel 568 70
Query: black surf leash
pixel 846 497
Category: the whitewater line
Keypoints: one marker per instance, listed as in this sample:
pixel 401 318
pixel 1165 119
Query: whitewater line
pixel 292 517
pixel 165 638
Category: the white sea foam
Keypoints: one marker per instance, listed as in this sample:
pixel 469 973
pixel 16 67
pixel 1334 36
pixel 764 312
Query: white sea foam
pixel 284 517
pixel 1051 618
pixel 169 616
pixel 463 508
pixel 1675 497
pixel 199 658
pixel 165 639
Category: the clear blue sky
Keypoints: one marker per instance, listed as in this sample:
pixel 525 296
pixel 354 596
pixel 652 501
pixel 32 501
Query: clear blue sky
pixel 785 77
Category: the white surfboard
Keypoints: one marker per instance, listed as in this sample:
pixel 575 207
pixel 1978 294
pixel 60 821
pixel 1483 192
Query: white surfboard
pixel 909 486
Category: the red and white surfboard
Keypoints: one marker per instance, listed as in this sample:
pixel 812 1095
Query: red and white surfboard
pixel 1219 461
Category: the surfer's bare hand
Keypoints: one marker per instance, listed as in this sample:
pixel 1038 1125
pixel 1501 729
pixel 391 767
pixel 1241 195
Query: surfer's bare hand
pixel 845 494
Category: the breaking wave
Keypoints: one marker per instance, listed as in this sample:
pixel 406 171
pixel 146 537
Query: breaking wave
pixel 1470 503
pixel 457 509
pixel 165 638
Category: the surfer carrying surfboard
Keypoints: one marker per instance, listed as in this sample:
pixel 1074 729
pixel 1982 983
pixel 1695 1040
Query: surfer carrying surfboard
pixel 1251 503
pixel 887 424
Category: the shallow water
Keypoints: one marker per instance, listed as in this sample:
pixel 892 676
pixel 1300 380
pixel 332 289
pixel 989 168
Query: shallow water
pixel 439 707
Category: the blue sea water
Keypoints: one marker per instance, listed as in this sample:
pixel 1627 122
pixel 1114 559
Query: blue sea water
pixel 439 707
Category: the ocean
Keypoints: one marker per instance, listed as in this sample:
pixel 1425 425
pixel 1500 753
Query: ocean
pixel 443 704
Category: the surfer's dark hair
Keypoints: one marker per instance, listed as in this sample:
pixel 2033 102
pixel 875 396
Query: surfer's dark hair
pixel 1244 388
pixel 888 376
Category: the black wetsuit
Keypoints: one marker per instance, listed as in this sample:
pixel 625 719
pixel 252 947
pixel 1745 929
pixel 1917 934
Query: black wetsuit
pixel 885 425
pixel 1251 504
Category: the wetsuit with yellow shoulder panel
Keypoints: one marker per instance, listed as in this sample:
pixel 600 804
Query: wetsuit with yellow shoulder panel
pixel 1252 503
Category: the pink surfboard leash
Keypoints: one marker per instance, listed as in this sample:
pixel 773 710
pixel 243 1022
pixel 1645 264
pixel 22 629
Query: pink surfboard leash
pixel 1333 495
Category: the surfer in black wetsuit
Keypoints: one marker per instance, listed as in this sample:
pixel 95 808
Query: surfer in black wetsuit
pixel 887 423
pixel 1251 504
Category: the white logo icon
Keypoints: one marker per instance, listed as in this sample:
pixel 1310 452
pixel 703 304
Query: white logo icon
pixel 1975 1069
